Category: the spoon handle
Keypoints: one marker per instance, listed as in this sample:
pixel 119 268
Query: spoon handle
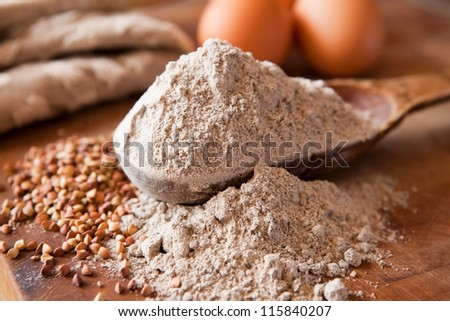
pixel 417 91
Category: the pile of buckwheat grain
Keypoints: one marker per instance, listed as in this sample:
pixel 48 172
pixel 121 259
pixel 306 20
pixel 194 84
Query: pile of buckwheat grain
pixel 70 187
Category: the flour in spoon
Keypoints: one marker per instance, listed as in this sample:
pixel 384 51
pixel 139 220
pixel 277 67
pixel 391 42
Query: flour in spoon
pixel 230 107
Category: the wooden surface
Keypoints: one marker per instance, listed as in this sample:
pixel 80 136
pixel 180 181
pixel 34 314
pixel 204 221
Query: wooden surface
pixel 417 154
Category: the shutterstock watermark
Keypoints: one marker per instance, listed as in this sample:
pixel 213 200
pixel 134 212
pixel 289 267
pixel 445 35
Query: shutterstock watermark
pixel 191 153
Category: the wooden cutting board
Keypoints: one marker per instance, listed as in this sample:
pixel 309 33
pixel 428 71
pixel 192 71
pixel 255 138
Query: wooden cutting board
pixel 417 154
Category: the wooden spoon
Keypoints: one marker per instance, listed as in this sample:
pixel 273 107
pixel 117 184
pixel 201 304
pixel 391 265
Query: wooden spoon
pixel 387 101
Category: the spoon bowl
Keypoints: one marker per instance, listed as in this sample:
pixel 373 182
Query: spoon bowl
pixel 389 101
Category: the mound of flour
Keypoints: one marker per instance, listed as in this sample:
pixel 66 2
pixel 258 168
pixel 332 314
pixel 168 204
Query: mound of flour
pixel 273 238
pixel 221 95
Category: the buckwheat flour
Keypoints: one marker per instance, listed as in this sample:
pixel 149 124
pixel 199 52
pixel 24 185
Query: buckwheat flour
pixel 220 94
pixel 273 238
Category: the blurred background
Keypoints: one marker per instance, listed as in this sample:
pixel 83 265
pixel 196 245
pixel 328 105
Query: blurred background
pixel 308 38
pixel 317 38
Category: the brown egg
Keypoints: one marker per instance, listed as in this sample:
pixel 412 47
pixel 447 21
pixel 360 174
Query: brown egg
pixel 340 37
pixel 263 27
pixel 287 3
